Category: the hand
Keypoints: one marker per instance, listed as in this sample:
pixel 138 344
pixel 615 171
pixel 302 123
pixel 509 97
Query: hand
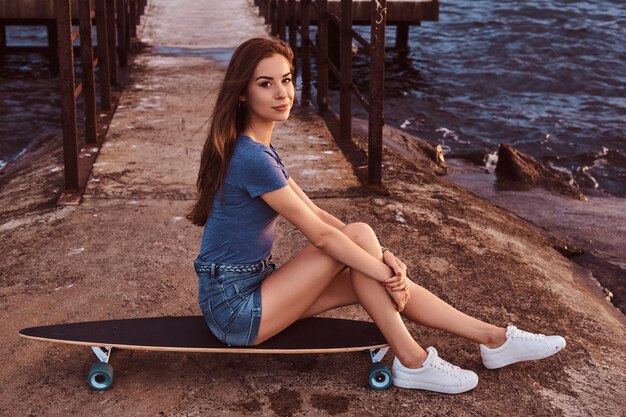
pixel 398 282
pixel 400 298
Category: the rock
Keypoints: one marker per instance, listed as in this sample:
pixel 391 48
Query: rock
pixel 475 157
pixel 566 249
pixel 516 170
pixel 584 178
pixel 490 161
pixel 421 153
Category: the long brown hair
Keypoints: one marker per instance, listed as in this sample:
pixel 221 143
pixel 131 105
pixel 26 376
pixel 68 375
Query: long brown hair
pixel 229 118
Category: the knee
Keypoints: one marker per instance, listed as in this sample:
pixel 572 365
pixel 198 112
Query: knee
pixel 361 233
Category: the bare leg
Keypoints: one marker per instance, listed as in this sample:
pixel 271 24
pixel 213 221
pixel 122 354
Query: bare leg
pixel 293 290
pixel 382 309
pixel 338 294
pixel 423 307
pixel 288 292
pixel 429 310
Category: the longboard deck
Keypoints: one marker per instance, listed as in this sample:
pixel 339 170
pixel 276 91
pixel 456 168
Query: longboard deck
pixel 191 334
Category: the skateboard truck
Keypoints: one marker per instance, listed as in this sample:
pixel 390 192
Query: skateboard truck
pixel 378 354
pixel 102 353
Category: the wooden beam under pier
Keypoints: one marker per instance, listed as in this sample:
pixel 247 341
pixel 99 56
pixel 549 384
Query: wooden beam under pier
pixel 34 9
pixel 411 12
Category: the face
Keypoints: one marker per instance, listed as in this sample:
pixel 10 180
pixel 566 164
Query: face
pixel 270 92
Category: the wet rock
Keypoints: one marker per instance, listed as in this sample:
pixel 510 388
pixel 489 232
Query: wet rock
pixel 490 161
pixel 486 160
pixel 419 150
pixel 566 249
pixel 476 158
pixel 435 153
pixel 609 275
pixel 421 153
pixel 584 178
pixel 516 170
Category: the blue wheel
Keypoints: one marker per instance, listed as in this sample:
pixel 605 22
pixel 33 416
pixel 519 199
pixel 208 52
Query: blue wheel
pixel 100 376
pixel 379 376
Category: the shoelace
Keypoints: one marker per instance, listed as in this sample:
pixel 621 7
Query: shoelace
pixel 521 334
pixel 446 367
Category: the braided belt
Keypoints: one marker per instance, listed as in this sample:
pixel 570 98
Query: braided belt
pixel 256 267
pixel 237 268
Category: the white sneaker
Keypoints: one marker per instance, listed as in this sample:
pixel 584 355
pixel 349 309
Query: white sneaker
pixel 434 375
pixel 520 346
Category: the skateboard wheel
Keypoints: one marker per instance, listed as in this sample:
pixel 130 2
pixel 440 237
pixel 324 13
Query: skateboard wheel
pixel 100 376
pixel 379 376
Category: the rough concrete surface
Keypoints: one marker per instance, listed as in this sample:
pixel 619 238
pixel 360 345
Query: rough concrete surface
pixel 127 251
pixel 597 226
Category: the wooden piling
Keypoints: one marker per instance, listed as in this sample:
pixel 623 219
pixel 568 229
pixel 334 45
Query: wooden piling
pixel 345 60
pixel 402 35
pixel 377 78
pixel 322 55
pixel 273 20
pixel 269 16
pixel 282 19
pixel 132 17
pixel 305 49
pixel 122 44
pixel 3 38
pixel 68 100
pixel 88 81
pixel 53 46
pixel 103 55
pixel 112 40
pixel 293 37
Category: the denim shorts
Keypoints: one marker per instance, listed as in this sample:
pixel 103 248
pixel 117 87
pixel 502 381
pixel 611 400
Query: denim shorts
pixel 230 298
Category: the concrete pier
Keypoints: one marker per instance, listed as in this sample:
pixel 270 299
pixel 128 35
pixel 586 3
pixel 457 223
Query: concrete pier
pixel 127 251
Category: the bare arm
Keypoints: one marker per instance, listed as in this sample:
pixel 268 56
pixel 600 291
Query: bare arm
pixel 330 240
pixel 330 219
pixel 324 215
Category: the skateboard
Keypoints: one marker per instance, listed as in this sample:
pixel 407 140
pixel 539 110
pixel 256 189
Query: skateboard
pixel 191 334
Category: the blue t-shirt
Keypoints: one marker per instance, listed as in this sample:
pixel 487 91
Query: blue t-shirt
pixel 240 229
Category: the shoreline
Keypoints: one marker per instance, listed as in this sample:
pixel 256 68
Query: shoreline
pixel 571 225
pixel 40 146
pixel 595 226
pixel 31 185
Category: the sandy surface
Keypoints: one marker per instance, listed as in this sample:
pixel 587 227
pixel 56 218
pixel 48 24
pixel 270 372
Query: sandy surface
pixel 127 251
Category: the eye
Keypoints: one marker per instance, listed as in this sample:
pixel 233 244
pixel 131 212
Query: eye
pixel 265 84
pixel 287 80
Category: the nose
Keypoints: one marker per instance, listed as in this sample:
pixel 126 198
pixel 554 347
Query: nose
pixel 281 91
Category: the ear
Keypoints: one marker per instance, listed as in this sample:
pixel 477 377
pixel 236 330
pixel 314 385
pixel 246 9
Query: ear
pixel 242 98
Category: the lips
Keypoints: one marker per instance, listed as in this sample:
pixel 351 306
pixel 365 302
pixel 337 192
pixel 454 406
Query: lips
pixel 282 107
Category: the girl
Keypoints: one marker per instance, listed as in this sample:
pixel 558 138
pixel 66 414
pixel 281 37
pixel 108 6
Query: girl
pixel 243 186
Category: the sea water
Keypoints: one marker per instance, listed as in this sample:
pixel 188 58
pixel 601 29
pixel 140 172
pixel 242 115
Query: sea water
pixel 547 77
